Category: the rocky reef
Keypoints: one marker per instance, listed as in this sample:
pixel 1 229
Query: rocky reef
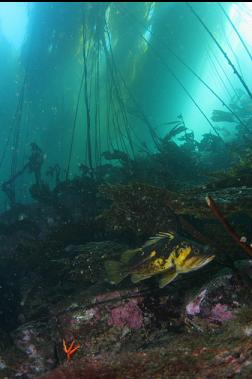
pixel 54 286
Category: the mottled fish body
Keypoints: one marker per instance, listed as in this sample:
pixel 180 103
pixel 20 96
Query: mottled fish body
pixel 165 255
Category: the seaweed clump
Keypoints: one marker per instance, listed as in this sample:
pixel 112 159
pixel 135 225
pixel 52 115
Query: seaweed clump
pixel 137 210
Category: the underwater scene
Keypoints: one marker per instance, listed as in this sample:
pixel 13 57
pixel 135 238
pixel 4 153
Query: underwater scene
pixel 126 190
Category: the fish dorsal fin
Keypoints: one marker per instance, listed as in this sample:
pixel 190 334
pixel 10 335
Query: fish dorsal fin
pixel 167 278
pixel 158 237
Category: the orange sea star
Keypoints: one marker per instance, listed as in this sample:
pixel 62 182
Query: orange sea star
pixel 70 350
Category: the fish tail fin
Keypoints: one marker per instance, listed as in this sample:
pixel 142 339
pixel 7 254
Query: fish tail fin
pixel 115 271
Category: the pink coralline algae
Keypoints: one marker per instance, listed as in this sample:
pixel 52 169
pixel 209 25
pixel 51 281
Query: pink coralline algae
pixel 220 313
pixel 127 315
pixel 193 308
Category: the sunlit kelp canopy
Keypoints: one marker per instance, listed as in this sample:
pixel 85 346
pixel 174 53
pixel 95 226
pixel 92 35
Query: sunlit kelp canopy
pixel 80 76
pixel 98 78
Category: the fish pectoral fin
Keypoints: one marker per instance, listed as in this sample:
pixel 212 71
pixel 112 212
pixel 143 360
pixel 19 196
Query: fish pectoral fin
pixel 115 271
pixel 167 278
pixel 135 278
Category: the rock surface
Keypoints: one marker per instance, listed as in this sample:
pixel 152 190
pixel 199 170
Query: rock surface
pixel 54 289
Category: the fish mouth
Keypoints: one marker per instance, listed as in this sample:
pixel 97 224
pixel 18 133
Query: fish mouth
pixel 195 263
pixel 203 262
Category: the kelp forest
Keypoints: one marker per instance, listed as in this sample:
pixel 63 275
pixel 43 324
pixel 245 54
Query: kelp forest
pixel 126 190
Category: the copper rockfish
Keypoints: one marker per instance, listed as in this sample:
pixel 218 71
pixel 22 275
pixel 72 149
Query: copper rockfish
pixel 166 256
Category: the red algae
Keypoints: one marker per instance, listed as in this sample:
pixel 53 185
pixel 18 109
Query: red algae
pixel 128 314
